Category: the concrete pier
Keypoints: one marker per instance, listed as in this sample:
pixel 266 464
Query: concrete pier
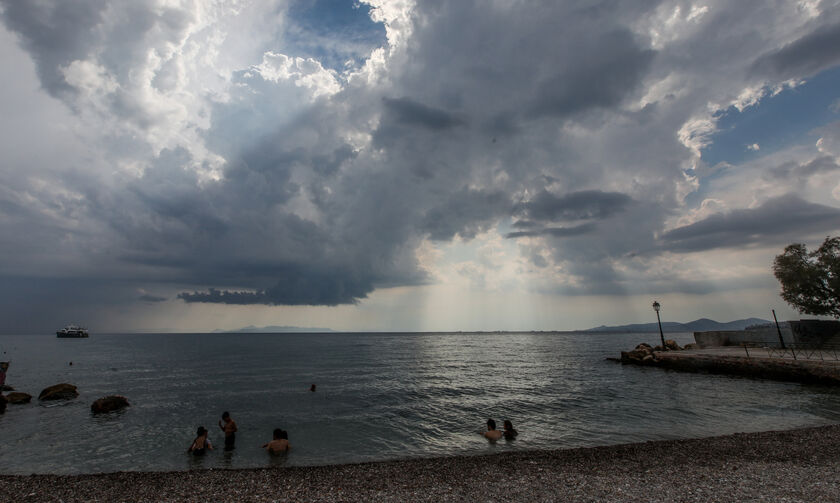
pixel 762 363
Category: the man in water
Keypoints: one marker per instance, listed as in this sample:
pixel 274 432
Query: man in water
pixel 280 442
pixel 492 433
pixel 229 427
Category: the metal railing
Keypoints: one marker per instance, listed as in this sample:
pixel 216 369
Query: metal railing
pixel 794 350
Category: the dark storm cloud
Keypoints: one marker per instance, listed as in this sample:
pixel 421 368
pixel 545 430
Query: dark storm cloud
pixel 778 220
pixel 297 284
pixel 514 98
pixel 582 205
pixel 465 213
pixel 614 68
pixel 406 111
pixel 805 56
pixel 151 298
pixel 557 232
pixel 54 33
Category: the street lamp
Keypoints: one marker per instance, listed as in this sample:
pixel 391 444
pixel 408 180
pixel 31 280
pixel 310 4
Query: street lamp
pixel 656 307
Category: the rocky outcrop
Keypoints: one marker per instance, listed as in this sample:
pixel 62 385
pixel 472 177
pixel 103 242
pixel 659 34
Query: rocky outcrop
pixel 109 404
pixel 6 387
pixel 671 345
pixel 18 397
pixel 641 355
pixel 62 391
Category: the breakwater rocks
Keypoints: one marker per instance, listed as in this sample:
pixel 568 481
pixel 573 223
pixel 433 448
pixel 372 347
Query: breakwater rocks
pixel 714 361
pixel 109 404
pixel 62 391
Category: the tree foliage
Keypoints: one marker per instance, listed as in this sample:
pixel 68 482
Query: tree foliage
pixel 811 280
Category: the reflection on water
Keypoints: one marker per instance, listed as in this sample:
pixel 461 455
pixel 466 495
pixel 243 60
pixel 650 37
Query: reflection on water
pixel 378 396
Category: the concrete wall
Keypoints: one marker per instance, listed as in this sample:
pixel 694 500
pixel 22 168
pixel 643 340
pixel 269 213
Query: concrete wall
pixel 764 335
pixel 813 332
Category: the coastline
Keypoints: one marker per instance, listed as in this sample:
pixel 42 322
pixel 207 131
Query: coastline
pixel 789 465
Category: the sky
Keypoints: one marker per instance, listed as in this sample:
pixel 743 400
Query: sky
pixel 395 165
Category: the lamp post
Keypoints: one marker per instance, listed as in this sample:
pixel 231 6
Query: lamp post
pixel 656 307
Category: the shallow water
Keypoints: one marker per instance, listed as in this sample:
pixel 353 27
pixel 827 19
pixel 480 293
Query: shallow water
pixel 379 396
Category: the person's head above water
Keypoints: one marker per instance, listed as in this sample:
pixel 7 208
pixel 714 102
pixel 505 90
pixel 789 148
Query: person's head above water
pixel 277 433
pixel 201 431
pixel 225 415
pixel 508 424
pixel 491 425
pixel 284 434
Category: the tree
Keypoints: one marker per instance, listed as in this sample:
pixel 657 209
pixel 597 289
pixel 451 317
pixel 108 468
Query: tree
pixel 811 280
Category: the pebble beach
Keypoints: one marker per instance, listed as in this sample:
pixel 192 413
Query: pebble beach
pixel 792 466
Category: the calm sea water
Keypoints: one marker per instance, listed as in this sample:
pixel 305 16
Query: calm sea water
pixel 379 396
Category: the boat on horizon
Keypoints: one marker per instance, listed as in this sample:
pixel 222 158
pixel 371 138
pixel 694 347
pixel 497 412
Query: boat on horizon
pixel 72 331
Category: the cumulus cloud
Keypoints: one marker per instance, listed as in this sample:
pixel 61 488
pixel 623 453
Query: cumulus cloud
pixel 224 157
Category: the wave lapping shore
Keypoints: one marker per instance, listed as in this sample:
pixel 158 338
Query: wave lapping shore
pixel 793 466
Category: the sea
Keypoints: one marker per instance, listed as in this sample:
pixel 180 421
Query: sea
pixel 378 396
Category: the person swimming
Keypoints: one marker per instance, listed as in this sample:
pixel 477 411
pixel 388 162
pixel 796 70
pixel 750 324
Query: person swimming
pixel 201 444
pixel 280 443
pixel 492 433
pixel 510 433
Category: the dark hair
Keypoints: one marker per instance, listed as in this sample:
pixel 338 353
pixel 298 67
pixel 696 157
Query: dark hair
pixel 277 433
pixel 201 431
pixel 284 434
pixel 508 424
pixel 225 415
pixel 491 424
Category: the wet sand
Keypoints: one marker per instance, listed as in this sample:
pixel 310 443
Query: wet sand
pixel 795 465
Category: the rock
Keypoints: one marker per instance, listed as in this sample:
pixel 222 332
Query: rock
pixel 6 387
pixel 647 359
pixel 690 345
pixel 2 404
pixel 62 391
pixel 645 346
pixel 109 404
pixel 672 345
pixel 658 348
pixel 18 397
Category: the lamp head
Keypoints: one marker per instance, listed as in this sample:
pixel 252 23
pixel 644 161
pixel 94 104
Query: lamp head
pixel 656 306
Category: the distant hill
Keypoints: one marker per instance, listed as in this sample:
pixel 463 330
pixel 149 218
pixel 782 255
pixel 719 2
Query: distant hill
pixel 701 325
pixel 274 329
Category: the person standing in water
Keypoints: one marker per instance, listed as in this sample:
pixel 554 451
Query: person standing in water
pixel 201 444
pixel 492 433
pixel 280 443
pixel 510 433
pixel 229 427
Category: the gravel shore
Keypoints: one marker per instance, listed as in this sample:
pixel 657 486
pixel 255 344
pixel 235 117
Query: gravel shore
pixel 795 465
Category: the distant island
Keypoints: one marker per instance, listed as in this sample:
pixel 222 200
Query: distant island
pixel 274 329
pixel 701 325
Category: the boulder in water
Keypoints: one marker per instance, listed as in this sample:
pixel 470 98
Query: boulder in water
pixel 6 387
pixel 18 397
pixel 109 404
pixel 62 391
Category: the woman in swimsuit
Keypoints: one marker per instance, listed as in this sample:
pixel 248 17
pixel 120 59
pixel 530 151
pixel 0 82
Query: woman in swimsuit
pixel 510 433
pixel 201 443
